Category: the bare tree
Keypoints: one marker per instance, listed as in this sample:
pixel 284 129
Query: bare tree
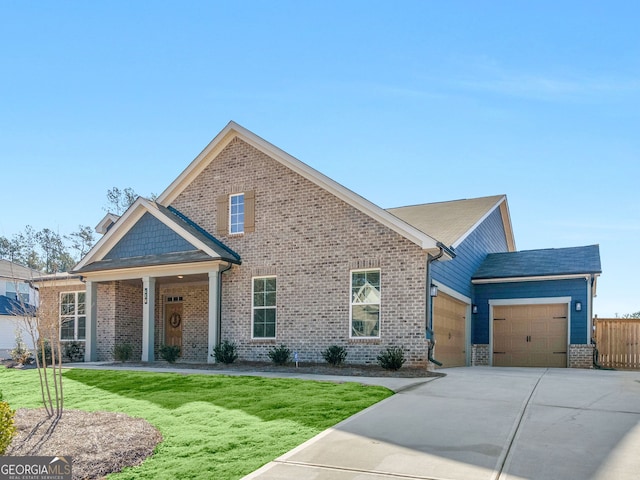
pixel 120 200
pixel 42 324
pixel 82 240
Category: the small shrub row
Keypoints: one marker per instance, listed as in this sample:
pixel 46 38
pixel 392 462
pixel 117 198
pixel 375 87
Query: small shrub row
pixel 390 359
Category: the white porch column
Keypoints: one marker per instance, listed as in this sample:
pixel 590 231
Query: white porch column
pixel 148 318
pixel 91 311
pixel 214 312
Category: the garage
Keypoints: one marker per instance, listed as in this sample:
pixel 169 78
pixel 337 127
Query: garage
pixel 530 335
pixel 449 326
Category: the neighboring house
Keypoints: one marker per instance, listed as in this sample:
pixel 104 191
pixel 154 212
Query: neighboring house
pixel 253 246
pixel 17 297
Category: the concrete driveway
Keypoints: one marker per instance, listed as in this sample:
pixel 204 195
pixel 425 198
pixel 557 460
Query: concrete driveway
pixel 484 423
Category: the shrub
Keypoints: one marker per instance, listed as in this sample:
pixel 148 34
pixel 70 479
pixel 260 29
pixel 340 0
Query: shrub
pixel 20 353
pixel 280 355
pixel 7 427
pixel 335 355
pixel 73 351
pixel 225 352
pixel 123 352
pixel 170 353
pixel 392 358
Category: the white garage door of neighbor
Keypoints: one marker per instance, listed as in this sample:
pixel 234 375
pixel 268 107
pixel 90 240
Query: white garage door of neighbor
pixel 530 335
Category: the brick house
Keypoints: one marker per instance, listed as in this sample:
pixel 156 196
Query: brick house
pixel 253 246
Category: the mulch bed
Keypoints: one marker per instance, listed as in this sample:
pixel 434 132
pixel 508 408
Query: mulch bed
pixel 302 368
pixel 98 443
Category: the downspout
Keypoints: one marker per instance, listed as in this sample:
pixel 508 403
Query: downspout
pixel 429 301
pixel 219 333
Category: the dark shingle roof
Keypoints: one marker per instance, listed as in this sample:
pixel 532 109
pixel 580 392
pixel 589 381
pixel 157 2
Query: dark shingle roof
pixel 537 263
pixel 9 306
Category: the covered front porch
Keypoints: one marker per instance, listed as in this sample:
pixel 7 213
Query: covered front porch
pixel 153 279
pixel 176 305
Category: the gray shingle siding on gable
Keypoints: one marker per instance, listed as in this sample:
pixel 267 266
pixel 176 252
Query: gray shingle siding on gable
pixel 534 263
pixel 488 237
pixel 149 236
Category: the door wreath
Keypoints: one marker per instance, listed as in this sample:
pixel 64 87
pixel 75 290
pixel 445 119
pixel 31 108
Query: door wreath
pixel 175 319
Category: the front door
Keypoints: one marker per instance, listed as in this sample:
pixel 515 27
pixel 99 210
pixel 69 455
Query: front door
pixel 173 324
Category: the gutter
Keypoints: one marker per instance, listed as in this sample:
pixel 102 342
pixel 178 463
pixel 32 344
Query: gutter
pixel 430 334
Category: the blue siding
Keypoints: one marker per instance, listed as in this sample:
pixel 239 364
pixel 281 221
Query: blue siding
pixel 149 237
pixel 488 237
pixel 574 288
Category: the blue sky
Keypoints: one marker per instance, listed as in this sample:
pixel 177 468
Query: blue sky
pixel 403 102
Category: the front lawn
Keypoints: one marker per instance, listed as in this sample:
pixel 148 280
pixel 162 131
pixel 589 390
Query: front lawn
pixel 213 426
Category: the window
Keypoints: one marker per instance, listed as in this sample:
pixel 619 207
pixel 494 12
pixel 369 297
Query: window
pixel 73 320
pixel 365 303
pixel 236 213
pixel 18 291
pixel 264 307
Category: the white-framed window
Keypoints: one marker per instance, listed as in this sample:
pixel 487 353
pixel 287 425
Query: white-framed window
pixel 365 303
pixel 236 213
pixel 18 291
pixel 73 316
pixel 264 307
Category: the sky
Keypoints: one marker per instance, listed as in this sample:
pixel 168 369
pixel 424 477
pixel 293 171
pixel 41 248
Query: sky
pixel 403 102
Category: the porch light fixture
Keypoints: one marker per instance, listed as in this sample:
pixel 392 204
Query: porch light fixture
pixel 578 306
pixel 474 308
pixel 433 290
pixel 180 276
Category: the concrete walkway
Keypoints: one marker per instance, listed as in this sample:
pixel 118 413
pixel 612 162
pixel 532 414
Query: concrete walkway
pixel 484 423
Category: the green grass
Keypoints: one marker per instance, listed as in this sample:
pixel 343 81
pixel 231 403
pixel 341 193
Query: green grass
pixel 213 426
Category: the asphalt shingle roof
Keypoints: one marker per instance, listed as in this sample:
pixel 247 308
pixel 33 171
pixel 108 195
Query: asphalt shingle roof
pixel 537 263
pixel 8 306
pixel 447 221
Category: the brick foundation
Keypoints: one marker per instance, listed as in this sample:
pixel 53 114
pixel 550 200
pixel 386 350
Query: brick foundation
pixel 479 355
pixel 580 356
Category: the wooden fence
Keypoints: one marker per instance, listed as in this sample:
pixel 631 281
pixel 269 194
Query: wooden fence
pixel 618 342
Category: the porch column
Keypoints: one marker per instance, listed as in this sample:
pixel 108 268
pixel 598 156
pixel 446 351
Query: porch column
pixel 214 312
pixel 148 318
pixel 91 312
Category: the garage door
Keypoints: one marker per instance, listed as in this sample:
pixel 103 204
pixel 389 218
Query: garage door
pixel 530 335
pixel 449 326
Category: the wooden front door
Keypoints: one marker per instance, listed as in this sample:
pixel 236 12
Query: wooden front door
pixel 173 324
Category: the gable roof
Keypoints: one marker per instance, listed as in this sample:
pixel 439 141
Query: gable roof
pixel 233 130
pixel 451 222
pixel 205 247
pixel 540 263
